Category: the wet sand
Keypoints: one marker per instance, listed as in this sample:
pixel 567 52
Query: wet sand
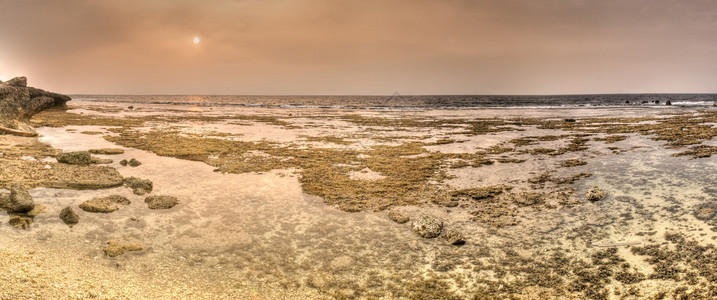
pixel 272 233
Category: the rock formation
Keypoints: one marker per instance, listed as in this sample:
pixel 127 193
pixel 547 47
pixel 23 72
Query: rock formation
pixel 81 158
pixel 398 217
pixel 139 186
pixel 105 205
pixel 19 200
pixel 427 227
pixel 18 103
pixel 69 216
pixel 595 194
pixel 161 202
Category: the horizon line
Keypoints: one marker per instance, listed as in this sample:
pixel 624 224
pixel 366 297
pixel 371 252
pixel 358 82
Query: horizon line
pixel 389 95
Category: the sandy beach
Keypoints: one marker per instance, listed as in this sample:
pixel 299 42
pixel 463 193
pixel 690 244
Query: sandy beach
pixel 304 203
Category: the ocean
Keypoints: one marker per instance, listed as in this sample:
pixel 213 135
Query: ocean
pixel 397 101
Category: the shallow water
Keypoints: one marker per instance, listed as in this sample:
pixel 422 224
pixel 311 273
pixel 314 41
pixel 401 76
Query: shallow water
pixel 258 235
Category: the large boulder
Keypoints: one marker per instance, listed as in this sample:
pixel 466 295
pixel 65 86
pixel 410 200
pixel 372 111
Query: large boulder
pixel 20 200
pixel 18 103
pixel 427 226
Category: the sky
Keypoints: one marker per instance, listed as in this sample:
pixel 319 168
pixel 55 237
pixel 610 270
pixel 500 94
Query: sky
pixel 376 47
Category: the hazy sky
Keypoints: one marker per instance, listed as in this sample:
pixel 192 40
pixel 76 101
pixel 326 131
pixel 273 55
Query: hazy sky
pixel 361 47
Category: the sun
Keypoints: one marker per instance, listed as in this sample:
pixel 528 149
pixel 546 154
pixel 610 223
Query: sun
pixel 196 40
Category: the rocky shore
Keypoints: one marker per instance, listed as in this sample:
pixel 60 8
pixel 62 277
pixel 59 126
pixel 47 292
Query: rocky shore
pixel 18 103
pixel 346 204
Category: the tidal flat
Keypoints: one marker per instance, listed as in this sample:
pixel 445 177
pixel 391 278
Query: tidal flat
pixel 306 203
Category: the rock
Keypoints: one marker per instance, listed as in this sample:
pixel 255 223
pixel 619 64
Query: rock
pixel 105 205
pixel 130 107
pixel 427 227
pixel 454 237
pixel 69 216
pixel 595 193
pixel 81 158
pixel 101 161
pixel 138 186
pixel 668 102
pixel 20 222
pixel 20 200
pixel 398 217
pixel 17 81
pixel 161 202
pixel 116 248
pixel 570 120
pixel 18 103
pixel 123 162
pixel 134 163
pixel 107 151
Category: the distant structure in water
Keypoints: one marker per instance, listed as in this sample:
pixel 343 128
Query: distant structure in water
pixel 396 98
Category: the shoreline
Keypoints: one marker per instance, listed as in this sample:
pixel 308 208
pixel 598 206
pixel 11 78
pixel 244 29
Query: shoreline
pixel 492 179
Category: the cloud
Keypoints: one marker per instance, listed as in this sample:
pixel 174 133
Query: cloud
pixel 371 46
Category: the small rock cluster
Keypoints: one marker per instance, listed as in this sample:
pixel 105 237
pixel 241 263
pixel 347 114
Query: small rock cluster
pixel 132 162
pixel 139 186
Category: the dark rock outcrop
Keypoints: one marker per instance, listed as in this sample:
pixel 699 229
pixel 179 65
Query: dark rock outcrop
pixel 69 216
pixel 105 205
pixel 427 227
pixel 18 103
pixel 139 186
pixel 161 202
